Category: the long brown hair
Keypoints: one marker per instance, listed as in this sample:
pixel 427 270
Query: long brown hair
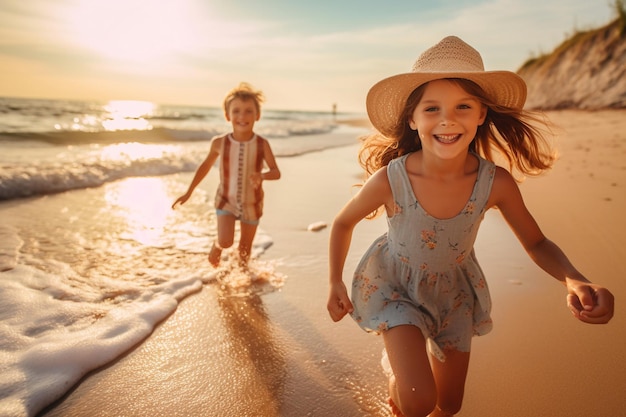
pixel 518 135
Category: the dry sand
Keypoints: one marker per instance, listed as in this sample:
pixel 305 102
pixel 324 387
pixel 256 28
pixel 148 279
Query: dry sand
pixel 280 354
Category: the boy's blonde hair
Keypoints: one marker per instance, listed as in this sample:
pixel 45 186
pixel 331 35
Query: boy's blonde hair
pixel 244 91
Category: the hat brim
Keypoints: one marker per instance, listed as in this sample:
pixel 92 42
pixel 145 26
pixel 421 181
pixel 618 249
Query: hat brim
pixel 386 99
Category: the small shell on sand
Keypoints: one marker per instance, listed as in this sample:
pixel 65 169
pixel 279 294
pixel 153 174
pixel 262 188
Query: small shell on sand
pixel 316 227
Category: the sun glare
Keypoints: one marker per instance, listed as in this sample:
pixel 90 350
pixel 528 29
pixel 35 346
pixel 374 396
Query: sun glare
pixel 132 151
pixel 128 114
pixel 134 30
pixel 143 206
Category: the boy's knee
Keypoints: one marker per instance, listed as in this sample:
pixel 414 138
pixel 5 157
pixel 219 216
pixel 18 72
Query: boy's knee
pixel 225 243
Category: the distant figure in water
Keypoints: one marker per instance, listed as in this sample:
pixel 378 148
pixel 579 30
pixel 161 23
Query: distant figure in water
pixel 419 284
pixel 244 157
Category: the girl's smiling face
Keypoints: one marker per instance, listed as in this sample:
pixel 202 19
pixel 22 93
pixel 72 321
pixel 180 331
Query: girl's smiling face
pixel 447 118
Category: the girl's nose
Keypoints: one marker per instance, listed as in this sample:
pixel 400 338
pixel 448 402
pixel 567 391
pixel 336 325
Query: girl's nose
pixel 447 119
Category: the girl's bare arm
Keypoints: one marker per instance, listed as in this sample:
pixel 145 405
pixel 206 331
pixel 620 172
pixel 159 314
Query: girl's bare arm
pixel 375 193
pixel 588 302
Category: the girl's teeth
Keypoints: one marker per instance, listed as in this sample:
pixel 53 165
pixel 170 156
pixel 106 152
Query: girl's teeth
pixel 447 138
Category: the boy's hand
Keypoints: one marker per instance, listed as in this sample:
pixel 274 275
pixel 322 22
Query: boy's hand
pixel 180 200
pixel 590 303
pixel 339 303
pixel 256 179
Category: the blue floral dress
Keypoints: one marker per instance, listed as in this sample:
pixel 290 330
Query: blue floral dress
pixel 423 271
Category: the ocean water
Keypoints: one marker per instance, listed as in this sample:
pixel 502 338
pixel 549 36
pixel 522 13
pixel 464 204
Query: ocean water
pixel 92 256
pixel 50 146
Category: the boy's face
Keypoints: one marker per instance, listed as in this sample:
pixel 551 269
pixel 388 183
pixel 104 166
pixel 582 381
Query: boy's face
pixel 242 114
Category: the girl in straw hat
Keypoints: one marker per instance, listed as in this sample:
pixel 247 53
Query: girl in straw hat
pixel 419 285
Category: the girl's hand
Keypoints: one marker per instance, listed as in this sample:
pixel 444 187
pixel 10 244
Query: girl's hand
pixel 339 303
pixel 589 303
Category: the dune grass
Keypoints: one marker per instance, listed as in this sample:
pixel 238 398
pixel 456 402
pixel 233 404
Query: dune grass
pixel 579 37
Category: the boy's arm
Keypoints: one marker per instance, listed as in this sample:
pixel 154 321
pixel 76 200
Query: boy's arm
pixel 202 171
pixel 273 172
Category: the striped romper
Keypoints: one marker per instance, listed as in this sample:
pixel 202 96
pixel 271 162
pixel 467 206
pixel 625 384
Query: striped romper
pixel 235 194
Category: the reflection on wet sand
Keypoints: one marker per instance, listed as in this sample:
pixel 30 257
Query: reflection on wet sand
pixel 256 371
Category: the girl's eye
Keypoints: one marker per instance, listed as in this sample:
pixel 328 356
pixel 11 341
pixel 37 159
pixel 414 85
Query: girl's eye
pixel 431 109
pixel 464 106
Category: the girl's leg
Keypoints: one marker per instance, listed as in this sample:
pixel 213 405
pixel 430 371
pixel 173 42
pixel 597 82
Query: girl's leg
pixel 248 231
pixel 450 380
pixel 412 386
pixel 225 237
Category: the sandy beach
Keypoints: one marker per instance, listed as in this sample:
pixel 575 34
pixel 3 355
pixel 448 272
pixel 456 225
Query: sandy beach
pixel 279 354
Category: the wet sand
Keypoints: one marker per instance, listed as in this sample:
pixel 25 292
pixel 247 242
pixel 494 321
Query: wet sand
pixel 279 354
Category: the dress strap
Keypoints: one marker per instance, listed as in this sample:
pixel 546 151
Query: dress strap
pixel 398 181
pixel 484 182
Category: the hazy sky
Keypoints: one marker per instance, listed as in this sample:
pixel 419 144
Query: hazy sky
pixel 304 55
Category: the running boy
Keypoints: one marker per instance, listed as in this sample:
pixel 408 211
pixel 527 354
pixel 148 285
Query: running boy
pixel 243 156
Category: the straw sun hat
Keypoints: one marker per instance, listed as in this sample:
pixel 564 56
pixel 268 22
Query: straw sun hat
pixel 450 58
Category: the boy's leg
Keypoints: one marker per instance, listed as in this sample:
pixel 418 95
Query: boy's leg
pixel 248 231
pixel 215 254
pixel 412 385
pixel 225 237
